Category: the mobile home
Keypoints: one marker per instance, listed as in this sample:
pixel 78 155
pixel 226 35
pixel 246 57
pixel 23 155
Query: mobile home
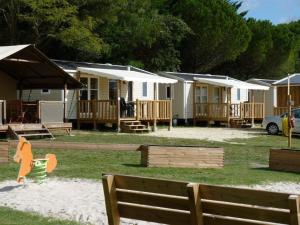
pixel 281 93
pixel 211 98
pixel 111 94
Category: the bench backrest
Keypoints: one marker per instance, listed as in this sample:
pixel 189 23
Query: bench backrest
pixel 225 205
pixel 171 202
pixel 153 200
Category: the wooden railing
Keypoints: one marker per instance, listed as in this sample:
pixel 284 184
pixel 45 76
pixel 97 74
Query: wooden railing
pixel 277 111
pixel 211 110
pixel 219 111
pixel 153 110
pixel 105 110
pixel 252 110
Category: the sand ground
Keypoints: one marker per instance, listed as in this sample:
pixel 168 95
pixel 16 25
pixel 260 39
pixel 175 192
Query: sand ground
pixel 208 133
pixel 78 199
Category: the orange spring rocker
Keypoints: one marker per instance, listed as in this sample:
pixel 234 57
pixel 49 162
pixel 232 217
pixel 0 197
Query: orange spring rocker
pixel 24 157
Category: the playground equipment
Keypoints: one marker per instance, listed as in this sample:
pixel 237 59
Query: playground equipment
pixel 38 167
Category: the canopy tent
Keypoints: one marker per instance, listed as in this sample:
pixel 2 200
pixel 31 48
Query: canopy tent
pixel 231 83
pixel 126 75
pixel 33 70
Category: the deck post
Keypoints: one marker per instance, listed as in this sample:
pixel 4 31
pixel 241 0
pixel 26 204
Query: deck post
pixel 194 103
pixel 252 108
pixel 137 110
pixel 20 92
pixel 78 102
pixel 93 105
pixel 228 105
pixel 4 112
pixel 264 105
pixel 118 106
pixel 171 116
pixel 155 108
pixel 65 102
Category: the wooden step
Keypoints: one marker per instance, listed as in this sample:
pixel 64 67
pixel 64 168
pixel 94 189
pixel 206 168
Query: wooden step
pixel 136 126
pixel 131 122
pixel 29 130
pixel 35 134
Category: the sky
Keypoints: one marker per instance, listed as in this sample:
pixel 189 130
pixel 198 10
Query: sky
pixel 277 11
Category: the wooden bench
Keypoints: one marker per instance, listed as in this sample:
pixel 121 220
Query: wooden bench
pixel 181 203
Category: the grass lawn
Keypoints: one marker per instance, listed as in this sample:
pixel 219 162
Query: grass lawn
pixel 14 217
pixel 245 163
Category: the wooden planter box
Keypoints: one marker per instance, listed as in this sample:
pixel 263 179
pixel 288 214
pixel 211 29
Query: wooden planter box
pixel 4 152
pixel 284 160
pixel 182 156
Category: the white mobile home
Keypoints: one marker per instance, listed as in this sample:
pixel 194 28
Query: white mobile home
pixel 206 97
pixel 104 86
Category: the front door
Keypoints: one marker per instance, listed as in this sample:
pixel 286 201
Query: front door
pixel 130 89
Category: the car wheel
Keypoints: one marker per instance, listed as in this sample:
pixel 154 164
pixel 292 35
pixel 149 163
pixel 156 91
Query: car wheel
pixel 272 128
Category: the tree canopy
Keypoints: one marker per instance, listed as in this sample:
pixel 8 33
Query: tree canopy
pixel 189 35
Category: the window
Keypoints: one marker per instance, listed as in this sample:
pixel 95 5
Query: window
pixel 168 92
pixel 201 94
pixel 296 113
pixel 145 91
pixel 93 88
pixel 238 94
pixel 216 95
pixel 90 88
pixel 112 86
pixel 45 92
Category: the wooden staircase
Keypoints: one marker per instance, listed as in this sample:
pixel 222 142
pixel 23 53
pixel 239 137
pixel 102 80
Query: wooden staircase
pixel 239 123
pixel 29 130
pixel 134 126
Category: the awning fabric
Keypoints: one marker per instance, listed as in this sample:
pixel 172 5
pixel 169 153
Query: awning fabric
pixel 231 83
pixel 126 75
pixel 33 70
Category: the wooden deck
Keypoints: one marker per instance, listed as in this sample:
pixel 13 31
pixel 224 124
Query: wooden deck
pixel 51 126
pixel 223 112
pixel 278 111
pixel 107 111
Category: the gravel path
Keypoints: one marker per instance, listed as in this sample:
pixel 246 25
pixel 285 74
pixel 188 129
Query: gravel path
pixel 78 199
pixel 208 133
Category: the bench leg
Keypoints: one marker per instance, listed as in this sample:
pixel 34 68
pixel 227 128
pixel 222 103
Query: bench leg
pixel 294 209
pixel 111 200
pixel 195 204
